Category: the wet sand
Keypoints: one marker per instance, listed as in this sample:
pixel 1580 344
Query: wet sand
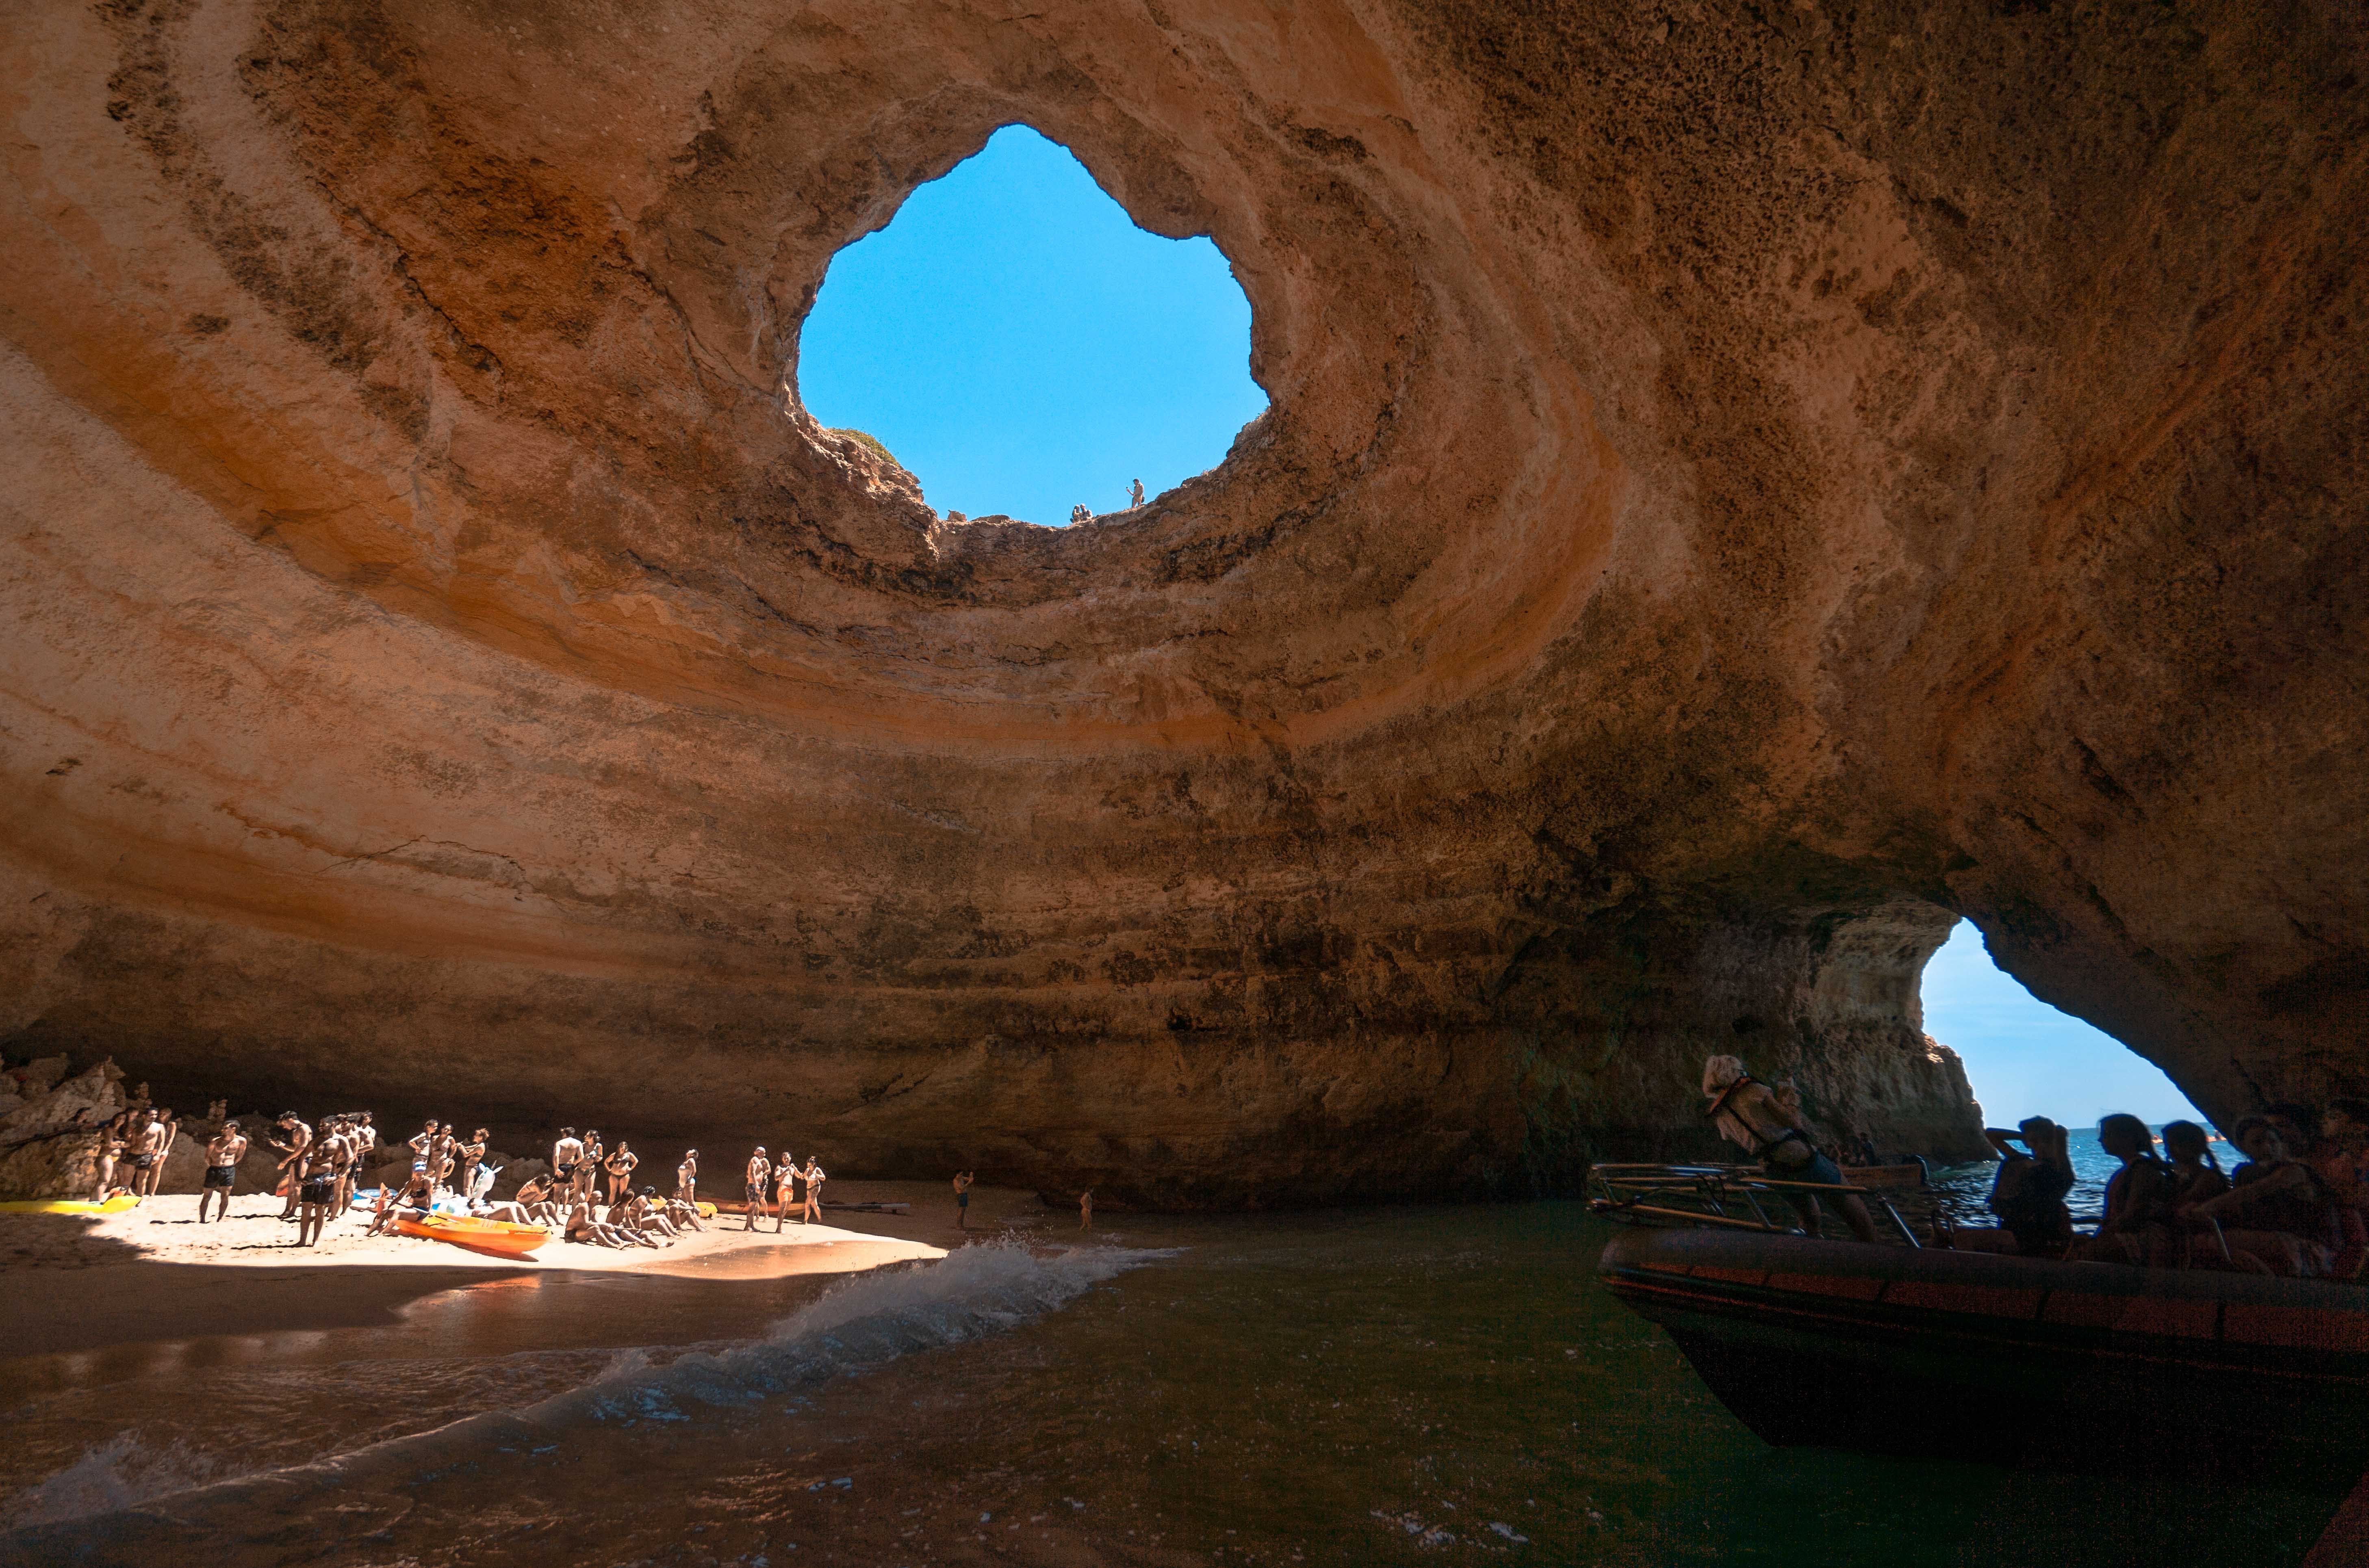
pixel 82 1282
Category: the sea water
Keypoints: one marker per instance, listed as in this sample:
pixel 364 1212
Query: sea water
pixel 1385 1386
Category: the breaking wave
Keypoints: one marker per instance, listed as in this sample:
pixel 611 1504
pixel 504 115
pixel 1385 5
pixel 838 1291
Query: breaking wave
pixel 867 1321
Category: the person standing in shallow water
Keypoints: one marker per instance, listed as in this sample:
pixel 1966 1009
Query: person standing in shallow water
pixel 962 1199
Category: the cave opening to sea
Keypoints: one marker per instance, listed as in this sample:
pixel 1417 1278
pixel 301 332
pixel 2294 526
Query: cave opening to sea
pixel 1015 342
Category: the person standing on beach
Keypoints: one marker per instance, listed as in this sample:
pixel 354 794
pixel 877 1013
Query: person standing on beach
pixel 587 1170
pixel 223 1154
pixel 144 1157
pixel 318 1183
pixel 785 1177
pixel 760 1171
pixel 813 1178
pixel 295 1138
pixel 686 1178
pixel 472 1154
pixel 565 1155
pixel 1086 1210
pixel 619 1167
pixel 110 1150
pixel 962 1200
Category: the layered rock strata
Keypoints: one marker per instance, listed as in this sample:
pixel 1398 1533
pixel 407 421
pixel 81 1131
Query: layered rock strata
pixel 1743 485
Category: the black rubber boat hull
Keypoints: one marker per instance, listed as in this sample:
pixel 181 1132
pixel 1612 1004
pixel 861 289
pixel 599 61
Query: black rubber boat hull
pixel 2060 1366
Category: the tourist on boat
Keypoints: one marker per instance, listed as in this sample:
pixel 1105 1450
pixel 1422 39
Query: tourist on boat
pixel 2027 1193
pixel 2286 1221
pixel 1749 1114
pixel 2196 1174
pixel 2137 1227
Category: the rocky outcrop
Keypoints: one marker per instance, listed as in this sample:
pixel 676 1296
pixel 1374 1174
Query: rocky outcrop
pixel 1742 486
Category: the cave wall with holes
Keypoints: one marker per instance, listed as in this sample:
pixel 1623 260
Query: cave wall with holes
pixel 1743 483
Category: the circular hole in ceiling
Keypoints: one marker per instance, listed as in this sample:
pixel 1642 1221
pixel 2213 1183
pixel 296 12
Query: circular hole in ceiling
pixel 1020 346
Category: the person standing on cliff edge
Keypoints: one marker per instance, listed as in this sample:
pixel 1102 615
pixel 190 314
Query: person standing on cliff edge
pixel 1135 493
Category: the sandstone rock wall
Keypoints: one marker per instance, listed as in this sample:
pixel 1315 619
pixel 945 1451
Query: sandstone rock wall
pixel 1742 486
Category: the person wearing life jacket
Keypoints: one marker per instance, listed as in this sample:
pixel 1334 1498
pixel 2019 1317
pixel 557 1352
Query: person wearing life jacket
pixel 1748 1114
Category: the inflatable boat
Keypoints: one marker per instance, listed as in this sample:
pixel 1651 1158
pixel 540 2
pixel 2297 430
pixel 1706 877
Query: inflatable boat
pixel 1962 1355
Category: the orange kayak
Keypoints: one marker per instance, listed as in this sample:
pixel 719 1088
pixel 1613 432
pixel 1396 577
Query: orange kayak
pixel 499 1238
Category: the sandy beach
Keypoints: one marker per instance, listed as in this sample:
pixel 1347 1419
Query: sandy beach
pixel 79 1282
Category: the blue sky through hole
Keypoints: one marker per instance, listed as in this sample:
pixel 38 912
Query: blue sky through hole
pixel 2026 1058
pixel 1021 346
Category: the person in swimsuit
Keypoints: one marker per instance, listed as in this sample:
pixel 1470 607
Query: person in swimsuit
pixel 317 1188
pixel 365 1139
pixel 785 1177
pixel 760 1171
pixel 472 1154
pixel 564 1154
pixel 620 1168
pixel 411 1200
pixel 1749 1114
pixel 812 1175
pixel 223 1154
pixel 962 1200
pixel 686 1178
pixel 110 1152
pixel 1086 1210
pixel 145 1159
pixel 587 1169
pixel 681 1213
pixel 295 1138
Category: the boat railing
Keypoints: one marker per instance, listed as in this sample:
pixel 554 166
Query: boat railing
pixel 1742 1198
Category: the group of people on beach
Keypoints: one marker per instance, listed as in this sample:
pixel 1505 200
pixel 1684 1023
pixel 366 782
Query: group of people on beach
pixel 2297 1205
pixel 772 1188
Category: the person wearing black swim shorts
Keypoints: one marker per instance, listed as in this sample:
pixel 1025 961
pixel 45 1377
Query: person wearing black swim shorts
pixel 760 1172
pixel 223 1154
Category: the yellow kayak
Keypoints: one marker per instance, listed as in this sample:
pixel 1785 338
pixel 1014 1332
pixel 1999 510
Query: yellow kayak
pixel 115 1205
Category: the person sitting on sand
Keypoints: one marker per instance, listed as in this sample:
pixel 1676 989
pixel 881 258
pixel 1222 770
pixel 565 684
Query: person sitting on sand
pixel 620 1168
pixel 761 1173
pixel 564 1154
pixel 532 1205
pixel 224 1152
pixel 813 1176
pixel 686 1178
pixel 583 1225
pixel 295 1137
pixel 962 1200
pixel 2290 1224
pixel 638 1218
pixel 1747 1113
pixel 681 1214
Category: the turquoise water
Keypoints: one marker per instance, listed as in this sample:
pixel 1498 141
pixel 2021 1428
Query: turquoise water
pixel 1422 1385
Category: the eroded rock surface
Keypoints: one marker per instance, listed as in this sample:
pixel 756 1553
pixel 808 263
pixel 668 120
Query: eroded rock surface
pixel 1743 483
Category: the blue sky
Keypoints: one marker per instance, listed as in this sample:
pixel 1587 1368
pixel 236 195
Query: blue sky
pixel 1021 346
pixel 2026 1058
